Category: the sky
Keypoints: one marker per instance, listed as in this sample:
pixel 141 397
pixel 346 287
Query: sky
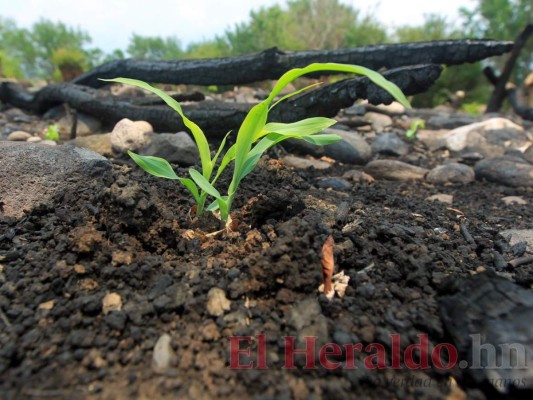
pixel 111 23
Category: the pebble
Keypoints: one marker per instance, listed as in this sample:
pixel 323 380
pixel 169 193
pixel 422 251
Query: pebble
pixel 352 149
pixel 433 139
pixel 34 139
pixel 303 163
pixel 173 147
pixel 85 126
pixel 451 173
pixel 449 121
pixel 389 143
pixel 505 171
pixel 378 121
pixel 394 170
pixel 441 197
pixel 217 302
pixel 163 356
pixel 509 200
pixel 514 236
pixel 19 136
pixel 528 154
pixel 100 144
pixel 130 135
pixel 111 302
pixel 334 183
pixel 357 176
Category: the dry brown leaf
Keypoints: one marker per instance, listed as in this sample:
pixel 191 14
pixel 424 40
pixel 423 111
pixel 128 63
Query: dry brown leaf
pixel 328 264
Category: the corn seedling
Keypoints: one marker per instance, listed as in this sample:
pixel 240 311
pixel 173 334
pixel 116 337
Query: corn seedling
pixel 413 129
pixel 52 133
pixel 254 138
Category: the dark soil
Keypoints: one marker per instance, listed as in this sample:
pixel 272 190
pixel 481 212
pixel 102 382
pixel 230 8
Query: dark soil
pixel 133 236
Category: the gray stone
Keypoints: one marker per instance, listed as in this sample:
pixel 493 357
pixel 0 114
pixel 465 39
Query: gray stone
pixel 389 143
pixel 19 136
pixel 451 173
pixel 355 110
pixel 85 126
pixel 433 139
pixel 31 173
pixel 217 302
pixel 34 139
pixel 352 149
pixel 449 121
pixel 505 171
pixel 334 183
pixel 100 144
pixel 514 236
pixel 394 170
pixel 303 163
pixel 379 121
pixel 528 154
pixel 173 147
pixel 163 357
pixel 130 135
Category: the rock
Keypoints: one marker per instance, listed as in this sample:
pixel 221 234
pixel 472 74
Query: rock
pixel 355 110
pixel 393 108
pixel 449 121
pixel 352 149
pixel 505 171
pixel 441 197
pixel 489 138
pixel 49 142
pixel 13 113
pixel 389 143
pixel 19 136
pixel 434 140
pixel 394 170
pixel 85 126
pixel 130 135
pixel 509 200
pixel 33 173
pixel 116 320
pixel 451 173
pixel 217 302
pixel 514 236
pixel 100 144
pixel 34 139
pixel 111 302
pixel 173 147
pixel 334 183
pixel 303 163
pixel 379 121
pixel 357 176
pixel 163 357
pixel 489 322
pixel 528 154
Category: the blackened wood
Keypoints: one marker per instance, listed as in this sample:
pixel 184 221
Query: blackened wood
pixel 217 118
pixel 498 94
pixel 272 63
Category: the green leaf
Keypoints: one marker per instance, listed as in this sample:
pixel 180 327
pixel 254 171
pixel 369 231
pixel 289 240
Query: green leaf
pixel 287 96
pixel 322 140
pixel 189 184
pixel 204 183
pixel 198 134
pixel 305 127
pixel 154 165
pixel 220 148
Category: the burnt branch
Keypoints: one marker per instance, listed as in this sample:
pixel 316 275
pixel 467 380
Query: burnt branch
pixel 272 63
pixel 217 118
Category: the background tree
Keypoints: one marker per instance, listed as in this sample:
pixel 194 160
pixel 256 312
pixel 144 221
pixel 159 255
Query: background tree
pixel 154 48
pixel 502 19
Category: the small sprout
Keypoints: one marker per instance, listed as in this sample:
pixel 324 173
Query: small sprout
pixel 254 138
pixel 52 133
pixel 415 125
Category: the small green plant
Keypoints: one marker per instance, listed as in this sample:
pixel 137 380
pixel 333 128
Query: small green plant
pixel 52 133
pixel 415 125
pixel 254 138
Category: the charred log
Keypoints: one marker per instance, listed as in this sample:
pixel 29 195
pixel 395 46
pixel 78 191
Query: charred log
pixel 272 63
pixel 217 118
